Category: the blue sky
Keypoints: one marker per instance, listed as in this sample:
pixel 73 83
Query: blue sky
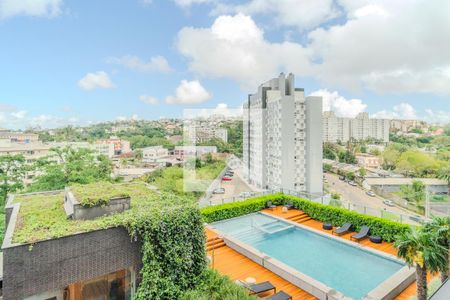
pixel 75 62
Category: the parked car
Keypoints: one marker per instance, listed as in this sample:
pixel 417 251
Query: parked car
pixel 229 174
pixel 227 178
pixel 342 178
pixel 370 193
pixel 416 218
pixel 219 191
pixel 352 183
pixel 389 202
pixel 245 194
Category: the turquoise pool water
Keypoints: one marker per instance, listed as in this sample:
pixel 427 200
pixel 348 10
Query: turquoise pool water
pixel 350 270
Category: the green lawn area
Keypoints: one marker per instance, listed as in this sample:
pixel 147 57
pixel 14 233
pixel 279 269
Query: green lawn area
pixel 390 216
pixel 43 217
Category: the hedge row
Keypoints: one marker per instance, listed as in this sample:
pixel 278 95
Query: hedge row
pixel 337 216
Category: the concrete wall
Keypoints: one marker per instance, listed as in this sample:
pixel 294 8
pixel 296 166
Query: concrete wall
pixel 314 173
pixel 51 265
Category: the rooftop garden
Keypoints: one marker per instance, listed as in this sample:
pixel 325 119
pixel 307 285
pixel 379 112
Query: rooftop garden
pixel 42 216
pixel 98 194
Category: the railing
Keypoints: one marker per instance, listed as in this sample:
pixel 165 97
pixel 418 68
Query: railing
pixel 367 210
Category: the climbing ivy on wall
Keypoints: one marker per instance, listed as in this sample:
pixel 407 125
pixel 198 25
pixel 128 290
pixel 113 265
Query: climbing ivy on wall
pixel 173 251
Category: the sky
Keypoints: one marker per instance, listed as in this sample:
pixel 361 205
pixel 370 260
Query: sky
pixel 86 61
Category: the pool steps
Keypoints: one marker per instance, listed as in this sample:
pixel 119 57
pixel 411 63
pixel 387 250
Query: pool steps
pixel 214 243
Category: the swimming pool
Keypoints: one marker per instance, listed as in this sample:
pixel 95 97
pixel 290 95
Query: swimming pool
pixel 343 267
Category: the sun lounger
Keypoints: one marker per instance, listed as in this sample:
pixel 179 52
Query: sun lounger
pixel 289 205
pixel 363 233
pixel 280 296
pixel 270 205
pixel 343 229
pixel 257 288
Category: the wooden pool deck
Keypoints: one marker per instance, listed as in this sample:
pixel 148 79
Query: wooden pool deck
pixel 236 266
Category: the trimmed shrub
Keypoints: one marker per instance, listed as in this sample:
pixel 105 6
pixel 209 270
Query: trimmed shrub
pixel 337 216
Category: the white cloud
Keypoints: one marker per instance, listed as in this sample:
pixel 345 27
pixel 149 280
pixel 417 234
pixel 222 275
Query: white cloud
pixel 234 47
pixel 95 80
pixel 189 92
pixel 401 111
pixel 303 14
pixel 19 114
pixel 155 64
pixel 188 3
pixel 385 46
pixel 437 117
pixel 133 117
pixel 221 109
pixel 149 99
pixel 34 8
pixel 332 101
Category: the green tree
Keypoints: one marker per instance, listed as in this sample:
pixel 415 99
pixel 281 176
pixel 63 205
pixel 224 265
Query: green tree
pixel 329 151
pixel 415 193
pixel 350 175
pixel 327 167
pixel 347 157
pixel 440 226
pixel 12 172
pixel 420 248
pixel 68 166
pixel 362 172
pixel 444 174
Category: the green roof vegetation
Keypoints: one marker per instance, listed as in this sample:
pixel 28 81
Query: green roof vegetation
pixel 42 216
pixel 97 194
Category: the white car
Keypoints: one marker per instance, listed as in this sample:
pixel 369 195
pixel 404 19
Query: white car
pixel 245 194
pixel 370 193
pixel 219 191
pixel 389 202
pixel 352 183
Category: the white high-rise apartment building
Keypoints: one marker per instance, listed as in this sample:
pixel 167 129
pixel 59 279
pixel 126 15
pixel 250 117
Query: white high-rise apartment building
pixel 283 137
pixel 361 127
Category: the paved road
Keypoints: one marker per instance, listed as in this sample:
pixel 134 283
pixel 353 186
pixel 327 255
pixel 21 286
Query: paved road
pixel 232 188
pixel 356 195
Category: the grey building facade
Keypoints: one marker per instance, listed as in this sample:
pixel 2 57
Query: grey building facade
pixel 283 137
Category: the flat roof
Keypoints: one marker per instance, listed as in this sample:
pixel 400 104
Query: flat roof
pixel 401 181
pixel 41 216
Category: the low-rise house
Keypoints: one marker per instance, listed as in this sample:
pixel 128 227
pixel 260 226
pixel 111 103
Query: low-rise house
pixel 120 146
pixel 21 137
pixel 104 149
pixel 155 155
pixel 193 151
pixel 58 247
pixel 368 161
pixel 31 151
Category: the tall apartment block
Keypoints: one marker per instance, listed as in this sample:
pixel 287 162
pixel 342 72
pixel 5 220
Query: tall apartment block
pixel 359 128
pixel 283 137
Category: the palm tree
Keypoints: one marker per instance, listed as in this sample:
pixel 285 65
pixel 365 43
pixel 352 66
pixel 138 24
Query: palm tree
pixel 420 248
pixel 441 228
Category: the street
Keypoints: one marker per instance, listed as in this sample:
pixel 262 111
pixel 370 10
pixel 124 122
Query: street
pixel 357 196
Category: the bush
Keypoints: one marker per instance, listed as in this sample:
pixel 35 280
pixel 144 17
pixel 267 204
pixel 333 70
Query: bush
pixel 213 286
pixel 337 216
pixel 173 251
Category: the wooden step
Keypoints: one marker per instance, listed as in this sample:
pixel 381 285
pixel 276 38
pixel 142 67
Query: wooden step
pixel 304 219
pixel 213 242
pixel 298 217
pixel 215 246
pixel 294 216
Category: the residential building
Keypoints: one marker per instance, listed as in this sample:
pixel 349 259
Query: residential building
pixel 155 155
pixel 368 161
pixel 190 151
pixel 104 149
pixel 205 132
pixel 120 146
pixel 31 151
pixel 283 137
pixel 90 262
pixel 406 126
pixel 338 129
pixel 20 137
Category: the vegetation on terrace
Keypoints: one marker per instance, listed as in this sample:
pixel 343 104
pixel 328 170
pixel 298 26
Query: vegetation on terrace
pixel 97 194
pixel 387 229
pixel 42 216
